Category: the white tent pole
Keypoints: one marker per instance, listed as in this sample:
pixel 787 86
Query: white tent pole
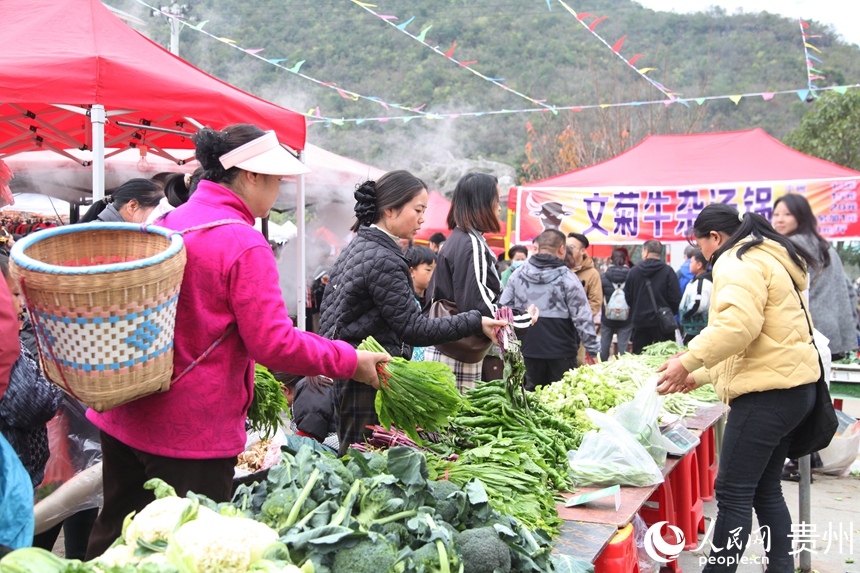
pixel 301 282
pixel 97 118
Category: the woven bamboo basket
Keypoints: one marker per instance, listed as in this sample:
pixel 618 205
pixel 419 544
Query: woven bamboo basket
pixel 102 298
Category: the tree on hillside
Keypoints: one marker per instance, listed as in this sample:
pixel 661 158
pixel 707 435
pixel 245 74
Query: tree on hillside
pixel 830 129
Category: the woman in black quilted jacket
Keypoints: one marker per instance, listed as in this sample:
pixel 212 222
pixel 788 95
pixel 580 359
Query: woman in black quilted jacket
pixel 370 292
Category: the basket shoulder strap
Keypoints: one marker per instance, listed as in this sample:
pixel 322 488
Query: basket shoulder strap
pixel 202 227
pixel 203 356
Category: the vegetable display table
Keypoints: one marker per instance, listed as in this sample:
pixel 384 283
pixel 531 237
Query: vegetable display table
pixel 588 528
pixel 585 541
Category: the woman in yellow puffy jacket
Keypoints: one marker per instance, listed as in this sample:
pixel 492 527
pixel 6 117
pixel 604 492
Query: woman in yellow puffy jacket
pixel 758 352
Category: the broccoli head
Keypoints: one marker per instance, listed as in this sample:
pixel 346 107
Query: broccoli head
pixel 450 500
pixel 381 503
pixel 482 551
pixel 276 509
pixel 372 555
pixel 378 463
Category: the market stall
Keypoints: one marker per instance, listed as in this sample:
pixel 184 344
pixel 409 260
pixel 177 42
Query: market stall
pixel 656 189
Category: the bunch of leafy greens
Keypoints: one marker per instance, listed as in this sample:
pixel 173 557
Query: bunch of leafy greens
pixel 264 414
pixel 414 394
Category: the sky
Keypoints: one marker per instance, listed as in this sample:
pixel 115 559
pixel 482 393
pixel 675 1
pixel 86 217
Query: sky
pixel 843 15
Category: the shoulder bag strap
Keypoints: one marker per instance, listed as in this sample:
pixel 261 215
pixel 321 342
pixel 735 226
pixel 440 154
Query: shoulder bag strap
pixel 651 294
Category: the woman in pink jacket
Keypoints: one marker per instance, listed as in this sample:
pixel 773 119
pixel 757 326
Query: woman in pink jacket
pixel 190 435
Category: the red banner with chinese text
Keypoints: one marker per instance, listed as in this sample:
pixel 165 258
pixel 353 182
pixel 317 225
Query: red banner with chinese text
pixel 616 215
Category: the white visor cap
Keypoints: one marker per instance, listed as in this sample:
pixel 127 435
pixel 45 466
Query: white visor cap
pixel 264 155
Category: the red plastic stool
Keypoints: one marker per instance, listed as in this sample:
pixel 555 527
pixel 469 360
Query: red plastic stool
pixel 620 556
pixel 685 496
pixel 707 455
pixel 661 507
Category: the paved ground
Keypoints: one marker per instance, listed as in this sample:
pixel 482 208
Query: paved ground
pixel 835 504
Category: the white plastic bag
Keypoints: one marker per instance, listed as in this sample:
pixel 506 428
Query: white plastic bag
pixel 612 456
pixel 836 459
pixel 639 417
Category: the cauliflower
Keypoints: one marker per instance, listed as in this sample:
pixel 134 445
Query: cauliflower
pixel 219 544
pixel 157 520
pixel 118 555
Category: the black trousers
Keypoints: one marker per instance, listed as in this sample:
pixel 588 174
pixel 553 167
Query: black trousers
pixel 76 534
pixel 643 336
pixel 543 371
pixel 126 469
pixel 758 433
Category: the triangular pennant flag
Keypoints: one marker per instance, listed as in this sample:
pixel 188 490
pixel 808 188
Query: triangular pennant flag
pixel 736 98
pixel 382 119
pixel 423 33
pixel 310 112
pixel 198 26
pixel 548 5
pixel 255 50
pixel 617 47
pixel 469 63
pixel 811 47
pixel 408 119
pixel 276 61
pixel 359 121
pixel 802 94
pixel 495 79
pixel 576 109
pixel 419 108
pixel 802 23
pixel 318 112
pixel 337 121
pixel 387 17
pixel 402 27
pixel 227 40
pixel 644 71
pixel 596 22
pixel 584 15
pixel 668 102
pixel 634 58
pixel 811 57
pixel 364 4
pixel 450 52
pixel 814 70
pixel 604 105
pixel 767 96
pixel 568 8
pixel 295 69
pixel 840 89
pixel 700 100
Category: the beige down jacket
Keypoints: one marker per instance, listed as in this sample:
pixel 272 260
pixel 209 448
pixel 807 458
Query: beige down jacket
pixel 757 337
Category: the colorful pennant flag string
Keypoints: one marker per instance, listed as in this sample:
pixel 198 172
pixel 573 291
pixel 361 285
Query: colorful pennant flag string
pixel 295 68
pixel 616 49
pixel 812 74
pixel 734 98
pixel 421 37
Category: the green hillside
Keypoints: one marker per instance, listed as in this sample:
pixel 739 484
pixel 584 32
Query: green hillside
pixel 544 54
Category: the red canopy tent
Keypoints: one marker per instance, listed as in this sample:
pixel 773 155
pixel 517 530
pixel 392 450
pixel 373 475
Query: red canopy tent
pixel 657 188
pixel 72 73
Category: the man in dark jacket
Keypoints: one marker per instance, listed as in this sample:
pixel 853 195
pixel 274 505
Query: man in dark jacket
pixel 665 289
pixel 549 349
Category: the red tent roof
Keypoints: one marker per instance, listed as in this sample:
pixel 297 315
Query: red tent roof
pixel 668 161
pixel 77 52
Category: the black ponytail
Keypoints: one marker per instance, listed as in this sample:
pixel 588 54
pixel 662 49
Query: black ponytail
pixel 724 218
pixel 146 192
pixel 212 144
